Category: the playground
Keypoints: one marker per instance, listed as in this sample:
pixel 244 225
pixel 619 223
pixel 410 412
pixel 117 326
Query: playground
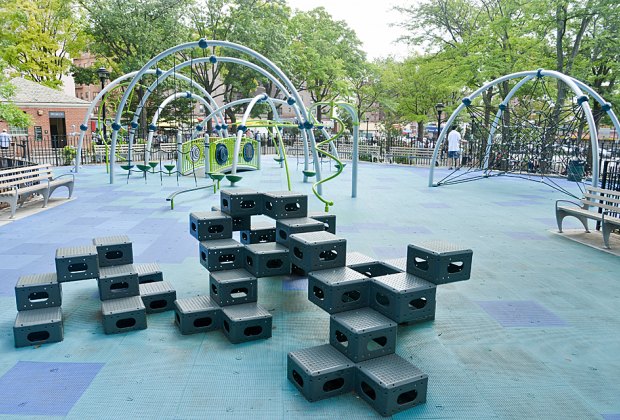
pixel 531 334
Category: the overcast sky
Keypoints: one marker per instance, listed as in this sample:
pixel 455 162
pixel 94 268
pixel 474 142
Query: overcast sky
pixel 370 19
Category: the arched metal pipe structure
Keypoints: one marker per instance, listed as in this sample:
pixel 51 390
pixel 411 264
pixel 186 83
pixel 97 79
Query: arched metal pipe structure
pixel 574 85
pixel 203 44
pixel 110 86
pixel 162 106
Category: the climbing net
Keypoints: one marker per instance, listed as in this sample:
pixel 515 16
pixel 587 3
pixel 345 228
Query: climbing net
pixel 530 137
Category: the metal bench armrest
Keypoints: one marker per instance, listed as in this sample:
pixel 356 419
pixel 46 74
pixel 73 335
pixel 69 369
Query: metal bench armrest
pixel 566 201
pixel 60 176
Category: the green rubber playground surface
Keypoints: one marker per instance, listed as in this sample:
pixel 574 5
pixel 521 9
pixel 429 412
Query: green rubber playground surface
pixel 533 334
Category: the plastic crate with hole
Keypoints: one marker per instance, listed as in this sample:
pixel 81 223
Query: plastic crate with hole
pixel 241 202
pixel 328 220
pixel 267 259
pixel 390 384
pixel 374 269
pixel 149 272
pixel 114 250
pixel 221 254
pixel 318 251
pixel 246 322
pixel 403 297
pixel 210 225
pixel 38 291
pixel 77 263
pixel 124 314
pixel 158 296
pixel 285 205
pixel 38 326
pixel 197 314
pixel 287 227
pixel 261 232
pixel 362 334
pixel 320 372
pixel 338 289
pixel 233 287
pixel 439 262
pixel 118 281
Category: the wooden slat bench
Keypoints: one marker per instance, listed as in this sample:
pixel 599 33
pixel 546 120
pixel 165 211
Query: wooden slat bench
pixel 18 184
pixel 597 204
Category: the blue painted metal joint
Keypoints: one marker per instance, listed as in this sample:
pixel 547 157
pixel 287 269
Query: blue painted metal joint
pixel 83 127
pixel 152 127
pixel 159 72
pixel 116 126
pixel 134 125
pixel 242 128
pixel 213 59
pixel 582 99
pixel 188 94
pixel 606 106
pixel 502 107
pixel 308 125
pixel 218 127
pixel 539 73
pixel 199 128
pixel 225 127
pixel 290 101
pixel 202 43
pixel 467 101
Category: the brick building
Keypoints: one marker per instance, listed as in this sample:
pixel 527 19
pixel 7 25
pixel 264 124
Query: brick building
pixel 56 116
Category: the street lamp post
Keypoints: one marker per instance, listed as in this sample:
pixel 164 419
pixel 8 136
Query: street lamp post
pixel 104 75
pixel 367 133
pixel 439 108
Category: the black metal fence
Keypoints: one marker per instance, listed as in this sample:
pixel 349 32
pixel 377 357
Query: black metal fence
pixel 513 156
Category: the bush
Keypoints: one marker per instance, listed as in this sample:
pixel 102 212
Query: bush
pixel 69 153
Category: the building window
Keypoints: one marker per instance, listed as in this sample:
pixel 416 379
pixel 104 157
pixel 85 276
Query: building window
pixel 18 131
pixel 86 95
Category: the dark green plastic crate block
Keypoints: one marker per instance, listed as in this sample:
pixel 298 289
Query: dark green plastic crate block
pixel 210 225
pixel 221 254
pixel 267 260
pixel 439 262
pixel 285 205
pixel 76 263
pixel 320 372
pixel 317 251
pixel 390 384
pixel 403 297
pixel 362 334
pixel 123 315
pixel 241 202
pixel 197 314
pixel 114 250
pixel 38 291
pixel 246 322
pixel 233 287
pixel 118 281
pixel 338 289
pixel 38 326
pixel 158 296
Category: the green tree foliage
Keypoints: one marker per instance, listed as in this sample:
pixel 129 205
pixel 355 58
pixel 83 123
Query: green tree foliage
pixel 8 111
pixel 326 53
pixel 38 36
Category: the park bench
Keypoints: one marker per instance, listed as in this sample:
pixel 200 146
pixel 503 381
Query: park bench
pixel 122 152
pixel 598 204
pixel 412 155
pixel 18 184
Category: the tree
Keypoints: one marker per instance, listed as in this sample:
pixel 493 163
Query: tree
pixel 37 38
pixel 129 33
pixel 326 53
pixel 366 88
pixel 8 111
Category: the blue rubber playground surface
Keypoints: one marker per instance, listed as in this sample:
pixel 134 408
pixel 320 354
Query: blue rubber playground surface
pixel 535 332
